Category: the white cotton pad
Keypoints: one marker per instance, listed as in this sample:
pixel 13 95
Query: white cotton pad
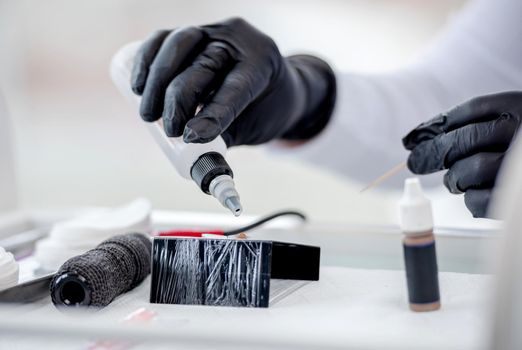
pixel 8 270
pixel 52 254
pixel 76 236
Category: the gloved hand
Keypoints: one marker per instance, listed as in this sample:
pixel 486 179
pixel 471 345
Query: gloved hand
pixel 247 91
pixel 470 140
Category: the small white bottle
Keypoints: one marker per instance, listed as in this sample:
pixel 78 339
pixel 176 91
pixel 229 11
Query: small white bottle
pixel 420 259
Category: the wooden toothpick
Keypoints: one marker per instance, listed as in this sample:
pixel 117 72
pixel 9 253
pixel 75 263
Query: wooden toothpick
pixel 395 170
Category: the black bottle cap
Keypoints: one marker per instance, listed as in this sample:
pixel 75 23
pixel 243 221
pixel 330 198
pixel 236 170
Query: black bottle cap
pixel 207 168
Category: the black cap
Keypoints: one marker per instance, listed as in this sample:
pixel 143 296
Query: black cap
pixel 209 166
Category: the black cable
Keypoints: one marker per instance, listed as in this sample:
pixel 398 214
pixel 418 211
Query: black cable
pixel 264 220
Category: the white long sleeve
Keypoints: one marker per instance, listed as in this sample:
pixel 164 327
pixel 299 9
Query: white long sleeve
pixel 479 53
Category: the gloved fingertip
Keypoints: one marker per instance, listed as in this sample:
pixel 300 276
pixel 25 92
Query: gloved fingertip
pixel 167 127
pixel 229 140
pixel 148 117
pixel 407 141
pixel 193 136
pixel 171 124
pixel 451 183
pixel 138 89
pixel 148 111
pixel 138 78
pixel 201 130
pixel 412 165
pixel 477 202
pixel 425 131
pixel 190 136
pixel 478 213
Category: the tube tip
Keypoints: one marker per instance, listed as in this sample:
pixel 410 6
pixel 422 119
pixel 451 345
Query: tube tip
pixel 412 187
pixel 234 205
pixel 223 189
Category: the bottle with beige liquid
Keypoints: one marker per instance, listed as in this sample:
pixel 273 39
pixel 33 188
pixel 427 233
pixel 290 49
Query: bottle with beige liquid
pixel 420 260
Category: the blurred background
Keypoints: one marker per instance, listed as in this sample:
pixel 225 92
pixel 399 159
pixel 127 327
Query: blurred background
pixel 77 142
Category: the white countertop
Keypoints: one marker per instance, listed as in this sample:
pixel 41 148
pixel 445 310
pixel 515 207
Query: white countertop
pixel 347 308
pixel 359 302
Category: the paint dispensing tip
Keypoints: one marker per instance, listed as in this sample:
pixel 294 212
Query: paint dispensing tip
pixel 224 190
pixel 234 205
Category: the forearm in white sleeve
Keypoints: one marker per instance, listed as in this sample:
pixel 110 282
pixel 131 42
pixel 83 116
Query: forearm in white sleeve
pixel 479 53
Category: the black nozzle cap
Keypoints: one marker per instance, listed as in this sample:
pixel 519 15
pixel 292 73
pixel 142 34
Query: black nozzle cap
pixel 70 289
pixel 207 168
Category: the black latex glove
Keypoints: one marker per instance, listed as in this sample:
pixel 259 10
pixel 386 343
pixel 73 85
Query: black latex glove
pixel 249 93
pixel 470 140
